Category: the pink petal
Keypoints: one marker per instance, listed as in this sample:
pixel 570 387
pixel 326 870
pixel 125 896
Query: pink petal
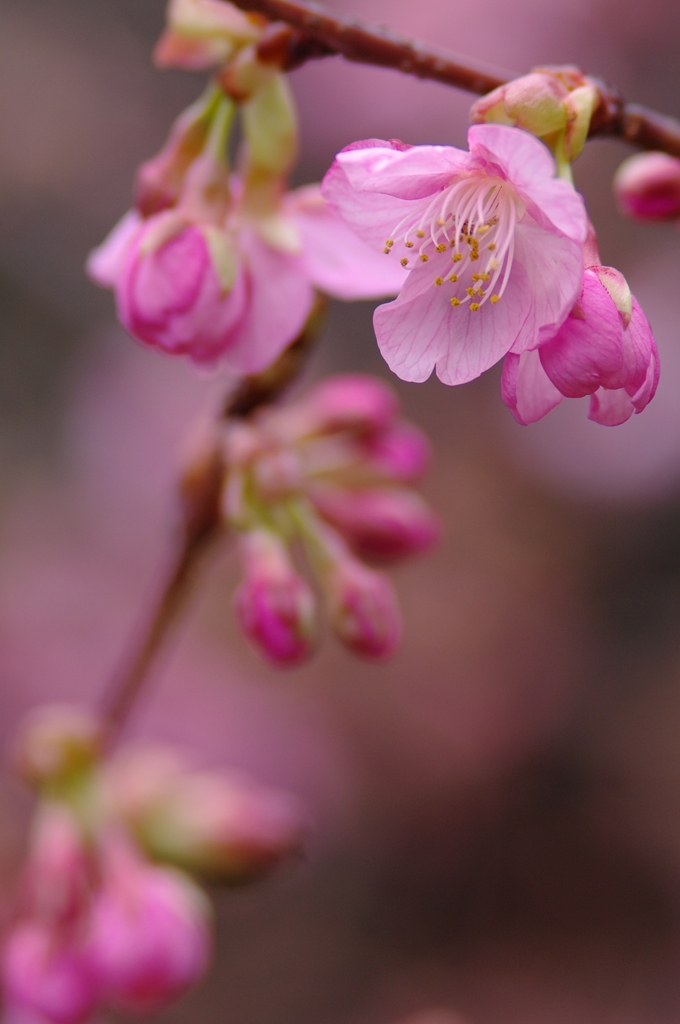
pixel 529 166
pixel 587 351
pixel 280 298
pixel 420 329
pixel 552 268
pixel 411 174
pixel 645 393
pixel 372 216
pixel 526 389
pixel 105 263
pixel 610 408
pixel 638 349
pixel 337 260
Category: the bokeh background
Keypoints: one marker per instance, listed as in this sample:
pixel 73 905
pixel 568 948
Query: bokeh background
pixel 498 809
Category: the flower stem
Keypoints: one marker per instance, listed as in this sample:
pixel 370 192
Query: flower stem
pixel 314 32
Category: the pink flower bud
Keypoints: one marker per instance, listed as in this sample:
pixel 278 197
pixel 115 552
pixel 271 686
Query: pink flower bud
pixel 202 34
pixel 46 974
pixel 56 742
pixel 363 609
pixel 535 102
pixel 173 293
pixel 401 453
pixel 276 607
pixel 59 870
pixel 379 522
pixel 150 935
pixel 353 401
pixel 224 827
pixel 647 187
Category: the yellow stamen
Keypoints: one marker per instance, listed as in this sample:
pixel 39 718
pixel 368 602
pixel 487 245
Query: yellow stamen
pixel 470 291
pixel 409 245
pixel 457 258
pixel 424 257
pixel 389 243
pixel 491 247
pixel 404 262
pixel 455 301
pixel 386 249
pixel 439 280
pixel 495 298
pixel 474 306
pixel 474 255
pixel 441 247
pixel 454 278
pixel 480 292
pixel 420 234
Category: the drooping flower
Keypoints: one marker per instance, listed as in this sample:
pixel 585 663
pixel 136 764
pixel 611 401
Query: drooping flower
pixel 647 187
pixel 490 242
pixel 327 474
pixel 605 349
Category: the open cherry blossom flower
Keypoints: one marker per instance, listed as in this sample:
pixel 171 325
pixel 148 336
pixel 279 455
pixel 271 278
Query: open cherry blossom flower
pixel 237 295
pixel 490 241
pixel 605 349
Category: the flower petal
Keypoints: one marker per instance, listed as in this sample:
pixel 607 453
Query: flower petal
pixel 372 216
pixel 337 260
pixel 587 350
pixel 527 163
pixel 526 388
pixel 421 329
pixel 638 350
pixel 105 263
pixel 610 408
pixel 552 271
pixel 280 299
pixel 408 174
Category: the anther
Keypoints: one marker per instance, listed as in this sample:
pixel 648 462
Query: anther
pixel 439 280
pixel 477 277
pixel 424 257
pixel 480 292
pixel 389 243
pixel 404 262
pixel 453 278
pixel 441 247
pixel 495 298
pixel 386 250
pixel 470 291
pixel 474 255
pixel 455 301
pixel 474 306
pixel 409 245
pixel 491 247
pixel 420 234
pixel 457 258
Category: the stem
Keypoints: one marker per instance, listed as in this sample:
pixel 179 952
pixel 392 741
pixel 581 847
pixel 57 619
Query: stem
pixel 314 32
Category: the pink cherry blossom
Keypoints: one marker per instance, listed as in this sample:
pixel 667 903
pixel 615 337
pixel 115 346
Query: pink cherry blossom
pixel 647 187
pixel 598 351
pixel 490 242
pixel 170 284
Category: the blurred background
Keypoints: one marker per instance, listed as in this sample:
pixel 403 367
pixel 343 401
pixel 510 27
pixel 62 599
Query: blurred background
pixel 498 809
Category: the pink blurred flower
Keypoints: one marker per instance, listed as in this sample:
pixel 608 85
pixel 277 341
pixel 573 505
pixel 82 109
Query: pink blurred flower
pixel 363 608
pixel 275 606
pixel 149 931
pixel 240 292
pixel 491 244
pixel 647 187
pixel 604 349
pixel 379 522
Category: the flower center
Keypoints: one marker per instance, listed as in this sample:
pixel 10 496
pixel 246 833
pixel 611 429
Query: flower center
pixel 473 220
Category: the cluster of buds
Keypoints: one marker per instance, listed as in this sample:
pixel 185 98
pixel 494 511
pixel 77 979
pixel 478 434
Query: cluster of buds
pixel 328 476
pixel 218 266
pixel 554 103
pixel 647 187
pixel 110 914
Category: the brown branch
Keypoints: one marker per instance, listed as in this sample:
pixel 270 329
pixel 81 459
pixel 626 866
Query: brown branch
pixel 200 493
pixel 313 32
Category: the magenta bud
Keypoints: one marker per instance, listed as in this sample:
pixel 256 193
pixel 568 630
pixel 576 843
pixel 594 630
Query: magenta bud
pixel 275 606
pixel 45 975
pixel 352 401
pixel 379 522
pixel 150 931
pixel 401 453
pixel 363 609
pixel 647 187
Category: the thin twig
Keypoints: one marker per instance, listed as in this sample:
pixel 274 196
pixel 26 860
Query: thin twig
pixel 314 32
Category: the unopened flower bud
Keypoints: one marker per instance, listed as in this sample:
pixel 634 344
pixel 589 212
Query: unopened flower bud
pixel 647 187
pixel 401 453
pixel 351 402
pixel 270 126
pixel 535 102
pixel 275 605
pixel 278 474
pixel 149 931
pixel 363 608
pixel 379 522
pixel 47 975
pixel 619 291
pixel 55 743
pixel 203 34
